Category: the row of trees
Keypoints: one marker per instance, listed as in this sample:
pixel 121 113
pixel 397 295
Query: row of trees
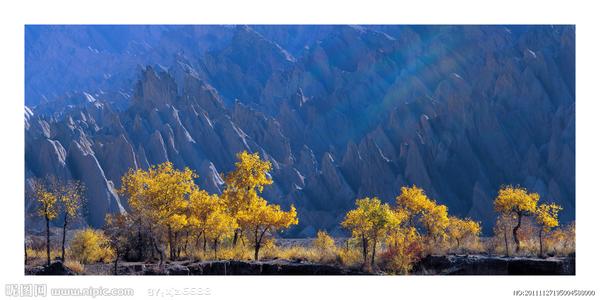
pixel 56 199
pixel 516 203
pixel 416 220
pixel 166 204
pixel 168 211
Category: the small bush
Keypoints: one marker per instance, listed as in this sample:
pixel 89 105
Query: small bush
pixel 291 253
pixel 90 246
pixel 403 250
pixel 351 257
pixel 400 260
pixel 37 257
pixel 324 242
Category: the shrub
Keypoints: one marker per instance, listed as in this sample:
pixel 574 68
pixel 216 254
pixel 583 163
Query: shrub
pixel 323 242
pixel 90 246
pixel 325 247
pixel 37 257
pixel 349 257
pixel 562 240
pixel 403 251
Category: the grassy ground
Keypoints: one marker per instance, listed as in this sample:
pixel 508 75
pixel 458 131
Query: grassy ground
pixel 343 253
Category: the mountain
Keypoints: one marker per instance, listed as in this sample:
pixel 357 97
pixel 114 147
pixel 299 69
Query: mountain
pixel 341 112
pixel 63 59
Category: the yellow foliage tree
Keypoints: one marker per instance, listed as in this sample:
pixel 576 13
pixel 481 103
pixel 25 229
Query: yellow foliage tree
pixel 435 220
pixel 516 202
pixel 201 206
pixel 244 184
pixel 70 196
pixel 404 243
pixel 414 202
pixel 369 222
pixel 260 218
pixel 89 246
pixel 47 207
pixel 397 233
pixel 459 229
pixel 159 197
pixel 219 225
pixel 546 216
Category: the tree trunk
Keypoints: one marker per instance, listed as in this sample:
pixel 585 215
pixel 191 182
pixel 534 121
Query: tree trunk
pixel 176 247
pixel 161 250
pixel 215 244
pixel 373 253
pixel 139 243
pixel 47 240
pixel 235 237
pixel 515 233
pixel 256 248
pixel 505 241
pixel 170 237
pixel 153 252
pixel 185 246
pixel 541 246
pixel 116 260
pixel 457 244
pixel 258 241
pixel 25 253
pixel 365 246
pixel 64 231
pixel 204 246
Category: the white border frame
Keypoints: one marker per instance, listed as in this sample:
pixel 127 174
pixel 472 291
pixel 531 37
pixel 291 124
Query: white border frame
pixel 15 15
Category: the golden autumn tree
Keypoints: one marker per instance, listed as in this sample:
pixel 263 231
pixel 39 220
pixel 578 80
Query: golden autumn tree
pixel 517 203
pixel 245 183
pixel 459 229
pixel 70 196
pixel 546 215
pixel 260 219
pixel 47 207
pixel 369 222
pixel 397 233
pixel 201 206
pixel 404 243
pixel 356 221
pixel 414 202
pixel 219 225
pixel 435 220
pixel 159 197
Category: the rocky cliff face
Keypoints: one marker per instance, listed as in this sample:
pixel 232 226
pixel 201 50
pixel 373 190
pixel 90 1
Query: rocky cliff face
pixel 342 112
